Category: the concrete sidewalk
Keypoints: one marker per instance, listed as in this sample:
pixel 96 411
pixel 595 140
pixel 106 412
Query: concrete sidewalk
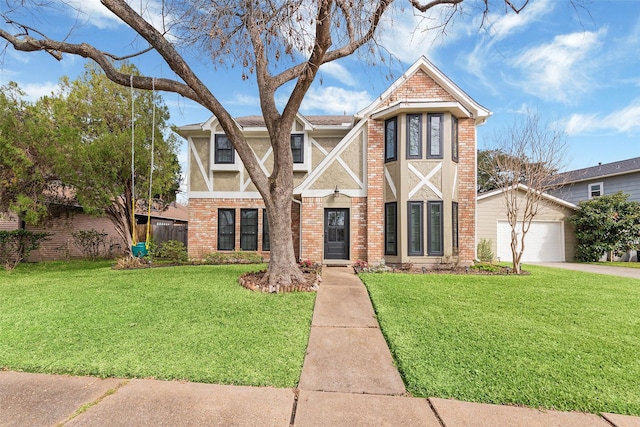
pixel 348 379
pixel 594 268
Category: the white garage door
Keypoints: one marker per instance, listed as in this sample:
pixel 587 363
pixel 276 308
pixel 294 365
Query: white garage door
pixel 544 242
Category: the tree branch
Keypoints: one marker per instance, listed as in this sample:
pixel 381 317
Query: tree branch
pixel 424 7
pixel 201 93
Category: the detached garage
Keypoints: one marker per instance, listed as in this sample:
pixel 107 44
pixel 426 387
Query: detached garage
pixel 549 239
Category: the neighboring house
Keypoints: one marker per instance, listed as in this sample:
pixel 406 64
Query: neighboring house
pixel 395 183
pixel 608 178
pixel 67 219
pixel 551 236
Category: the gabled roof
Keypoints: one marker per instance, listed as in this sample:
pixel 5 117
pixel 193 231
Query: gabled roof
pixel 600 171
pixel 471 107
pixel 523 187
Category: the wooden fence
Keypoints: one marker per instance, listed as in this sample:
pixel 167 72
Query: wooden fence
pixel 164 232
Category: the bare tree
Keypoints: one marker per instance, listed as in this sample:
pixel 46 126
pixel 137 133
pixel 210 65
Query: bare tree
pixel 531 153
pixel 277 41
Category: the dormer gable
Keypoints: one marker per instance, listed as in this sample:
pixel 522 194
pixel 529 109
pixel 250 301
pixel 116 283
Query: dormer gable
pixel 423 87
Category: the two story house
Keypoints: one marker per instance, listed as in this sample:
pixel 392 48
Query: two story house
pixel 394 183
pixel 608 178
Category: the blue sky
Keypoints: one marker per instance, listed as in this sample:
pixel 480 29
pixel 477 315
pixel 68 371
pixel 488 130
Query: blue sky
pixel 579 68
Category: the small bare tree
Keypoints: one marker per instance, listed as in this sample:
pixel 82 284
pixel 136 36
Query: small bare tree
pixel 531 152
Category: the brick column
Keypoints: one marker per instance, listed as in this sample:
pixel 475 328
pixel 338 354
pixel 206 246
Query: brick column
pixel 375 191
pixel 203 223
pixel 312 229
pixel 467 190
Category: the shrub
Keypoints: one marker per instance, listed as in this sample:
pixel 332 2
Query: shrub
pixel 607 224
pixel 174 250
pixel 484 266
pixel 91 242
pixel 308 266
pixel 129 262
pixel 359 266
pixel 16 245
pixel 485 254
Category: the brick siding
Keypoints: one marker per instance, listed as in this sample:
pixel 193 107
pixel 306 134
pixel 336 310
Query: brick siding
pixel 203 224
pixel 375 192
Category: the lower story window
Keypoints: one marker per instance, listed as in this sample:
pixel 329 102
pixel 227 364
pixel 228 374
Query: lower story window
pixel 434 229
pixel 415 229
pixel 249 229
pixel 390 228
pixel 266 243
pixel 226 229
pixel 454 227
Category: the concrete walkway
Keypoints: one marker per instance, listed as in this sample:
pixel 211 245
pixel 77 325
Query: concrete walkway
pixel 348 379
pixel 594 268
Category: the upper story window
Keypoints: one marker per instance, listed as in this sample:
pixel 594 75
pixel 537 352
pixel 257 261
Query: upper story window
pixel 434 136
pixel 454 139
pixel 297 147
pixel 391 140
pixel 414 136
pixel 596 190
pixel 224 152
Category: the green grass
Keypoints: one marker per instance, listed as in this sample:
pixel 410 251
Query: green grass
pixel 632 264
pixel 555 339
pixel 192 323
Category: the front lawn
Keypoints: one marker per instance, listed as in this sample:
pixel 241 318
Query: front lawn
pixel 191 323
pixel 554 339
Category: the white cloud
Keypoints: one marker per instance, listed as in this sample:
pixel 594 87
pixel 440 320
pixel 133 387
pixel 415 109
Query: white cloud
pixel 499 25
pixel 625 120
pixel 94 13
pixel 502 25
pixel 408 35
pixel 559 70
pixel 38 90
pixel 338 72
pixel 35 91
pixel 244 100
pixel 334 100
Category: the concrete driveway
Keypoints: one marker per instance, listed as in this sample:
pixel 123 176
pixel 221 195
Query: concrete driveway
pixel 592 268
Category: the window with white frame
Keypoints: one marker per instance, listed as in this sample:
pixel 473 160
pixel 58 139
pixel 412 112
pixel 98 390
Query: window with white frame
pixel 297 147
pixel 596 190
pixel 224 152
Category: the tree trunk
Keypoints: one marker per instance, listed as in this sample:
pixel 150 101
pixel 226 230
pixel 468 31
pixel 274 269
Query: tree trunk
pixel 121 217
pixel 283 266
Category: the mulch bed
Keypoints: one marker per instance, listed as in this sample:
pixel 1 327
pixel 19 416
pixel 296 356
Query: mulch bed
pixel 253 281
pixel 495 271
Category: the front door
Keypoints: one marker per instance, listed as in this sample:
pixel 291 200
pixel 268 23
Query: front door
pixel 336 233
